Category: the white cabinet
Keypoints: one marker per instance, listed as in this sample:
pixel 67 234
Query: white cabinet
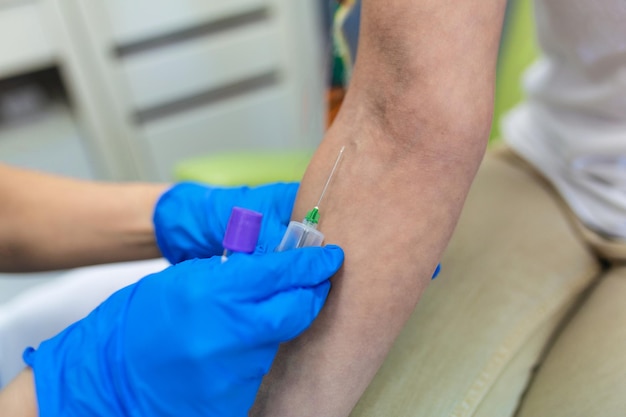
pixel 160 81
pixel 244 123
pixel 48 142
pixel 45 135
pixel 174 72
pixel 152 82
pixel 24 40
pixel 140 20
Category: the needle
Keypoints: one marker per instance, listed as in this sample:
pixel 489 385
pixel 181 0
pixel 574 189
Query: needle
pixel 331 175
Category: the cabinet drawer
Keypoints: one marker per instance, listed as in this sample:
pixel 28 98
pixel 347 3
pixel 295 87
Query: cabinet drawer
pixel 174 72
pixel 24 44
pixel 138 20
pixel 256 121
pixel 49 142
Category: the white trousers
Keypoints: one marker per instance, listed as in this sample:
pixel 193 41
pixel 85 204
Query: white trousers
pixel 572 126
pixel 45 310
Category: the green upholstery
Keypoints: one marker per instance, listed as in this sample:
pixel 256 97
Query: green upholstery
pixel 244 168
pixel 517 51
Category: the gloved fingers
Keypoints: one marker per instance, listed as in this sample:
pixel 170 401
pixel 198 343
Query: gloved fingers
pixel 437 271
pixel 276 205
pixel 281 198
pixel 275 200
pixel 262 275
pixel 285 315
pixel 181 223
pixel 272 234
pixel 247 370
pixel 249 362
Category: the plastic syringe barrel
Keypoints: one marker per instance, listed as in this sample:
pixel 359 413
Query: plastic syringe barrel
pixel 300 235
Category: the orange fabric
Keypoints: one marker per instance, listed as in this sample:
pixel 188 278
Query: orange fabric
pixel 334 98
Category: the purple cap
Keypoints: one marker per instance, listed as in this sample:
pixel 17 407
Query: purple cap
pixel 242 231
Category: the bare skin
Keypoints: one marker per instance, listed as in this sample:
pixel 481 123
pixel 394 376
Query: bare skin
pixel 18 398
pixel 49 222
pixel 415 124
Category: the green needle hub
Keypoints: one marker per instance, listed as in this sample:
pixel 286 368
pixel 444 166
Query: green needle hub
pixel 313 216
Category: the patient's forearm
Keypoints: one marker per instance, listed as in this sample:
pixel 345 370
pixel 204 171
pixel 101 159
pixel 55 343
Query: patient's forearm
pixel 18 398
pixel 50 222
pixel 415 124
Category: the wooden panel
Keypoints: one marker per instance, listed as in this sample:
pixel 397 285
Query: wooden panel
pixel 24 44
pixel 262 120
pixel 181 70
pixel 138 20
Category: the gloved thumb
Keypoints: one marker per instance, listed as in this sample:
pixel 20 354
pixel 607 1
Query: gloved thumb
pixel 280 271
pixel 306 267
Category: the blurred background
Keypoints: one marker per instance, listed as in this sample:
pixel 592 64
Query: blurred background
pixel 124 90
pixel 129 90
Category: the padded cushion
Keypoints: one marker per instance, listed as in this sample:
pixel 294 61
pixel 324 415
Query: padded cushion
pixel 244 168
pixel 585 372
pixel 513 269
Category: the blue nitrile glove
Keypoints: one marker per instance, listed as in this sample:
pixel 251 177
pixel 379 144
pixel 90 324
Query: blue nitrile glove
pixel 190 219
pixel 193 340
pixel 437 271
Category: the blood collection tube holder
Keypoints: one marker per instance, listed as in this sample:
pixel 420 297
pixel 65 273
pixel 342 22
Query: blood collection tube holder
pixel 300 235
pixel 304 234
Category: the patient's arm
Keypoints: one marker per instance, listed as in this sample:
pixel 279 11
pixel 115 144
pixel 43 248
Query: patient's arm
pixel 415 124
pixel 18 398
pixel 50 222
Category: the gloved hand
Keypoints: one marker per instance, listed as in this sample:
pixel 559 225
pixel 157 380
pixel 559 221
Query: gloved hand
pixel 190 219
pixel 193 340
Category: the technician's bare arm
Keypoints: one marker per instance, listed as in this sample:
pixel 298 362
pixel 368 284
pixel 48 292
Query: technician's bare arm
pixel 18 398
pixel 415 125
pixel 49 222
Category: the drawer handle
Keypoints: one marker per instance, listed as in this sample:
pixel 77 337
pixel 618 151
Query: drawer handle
pixel 222 93
pixel 211 28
